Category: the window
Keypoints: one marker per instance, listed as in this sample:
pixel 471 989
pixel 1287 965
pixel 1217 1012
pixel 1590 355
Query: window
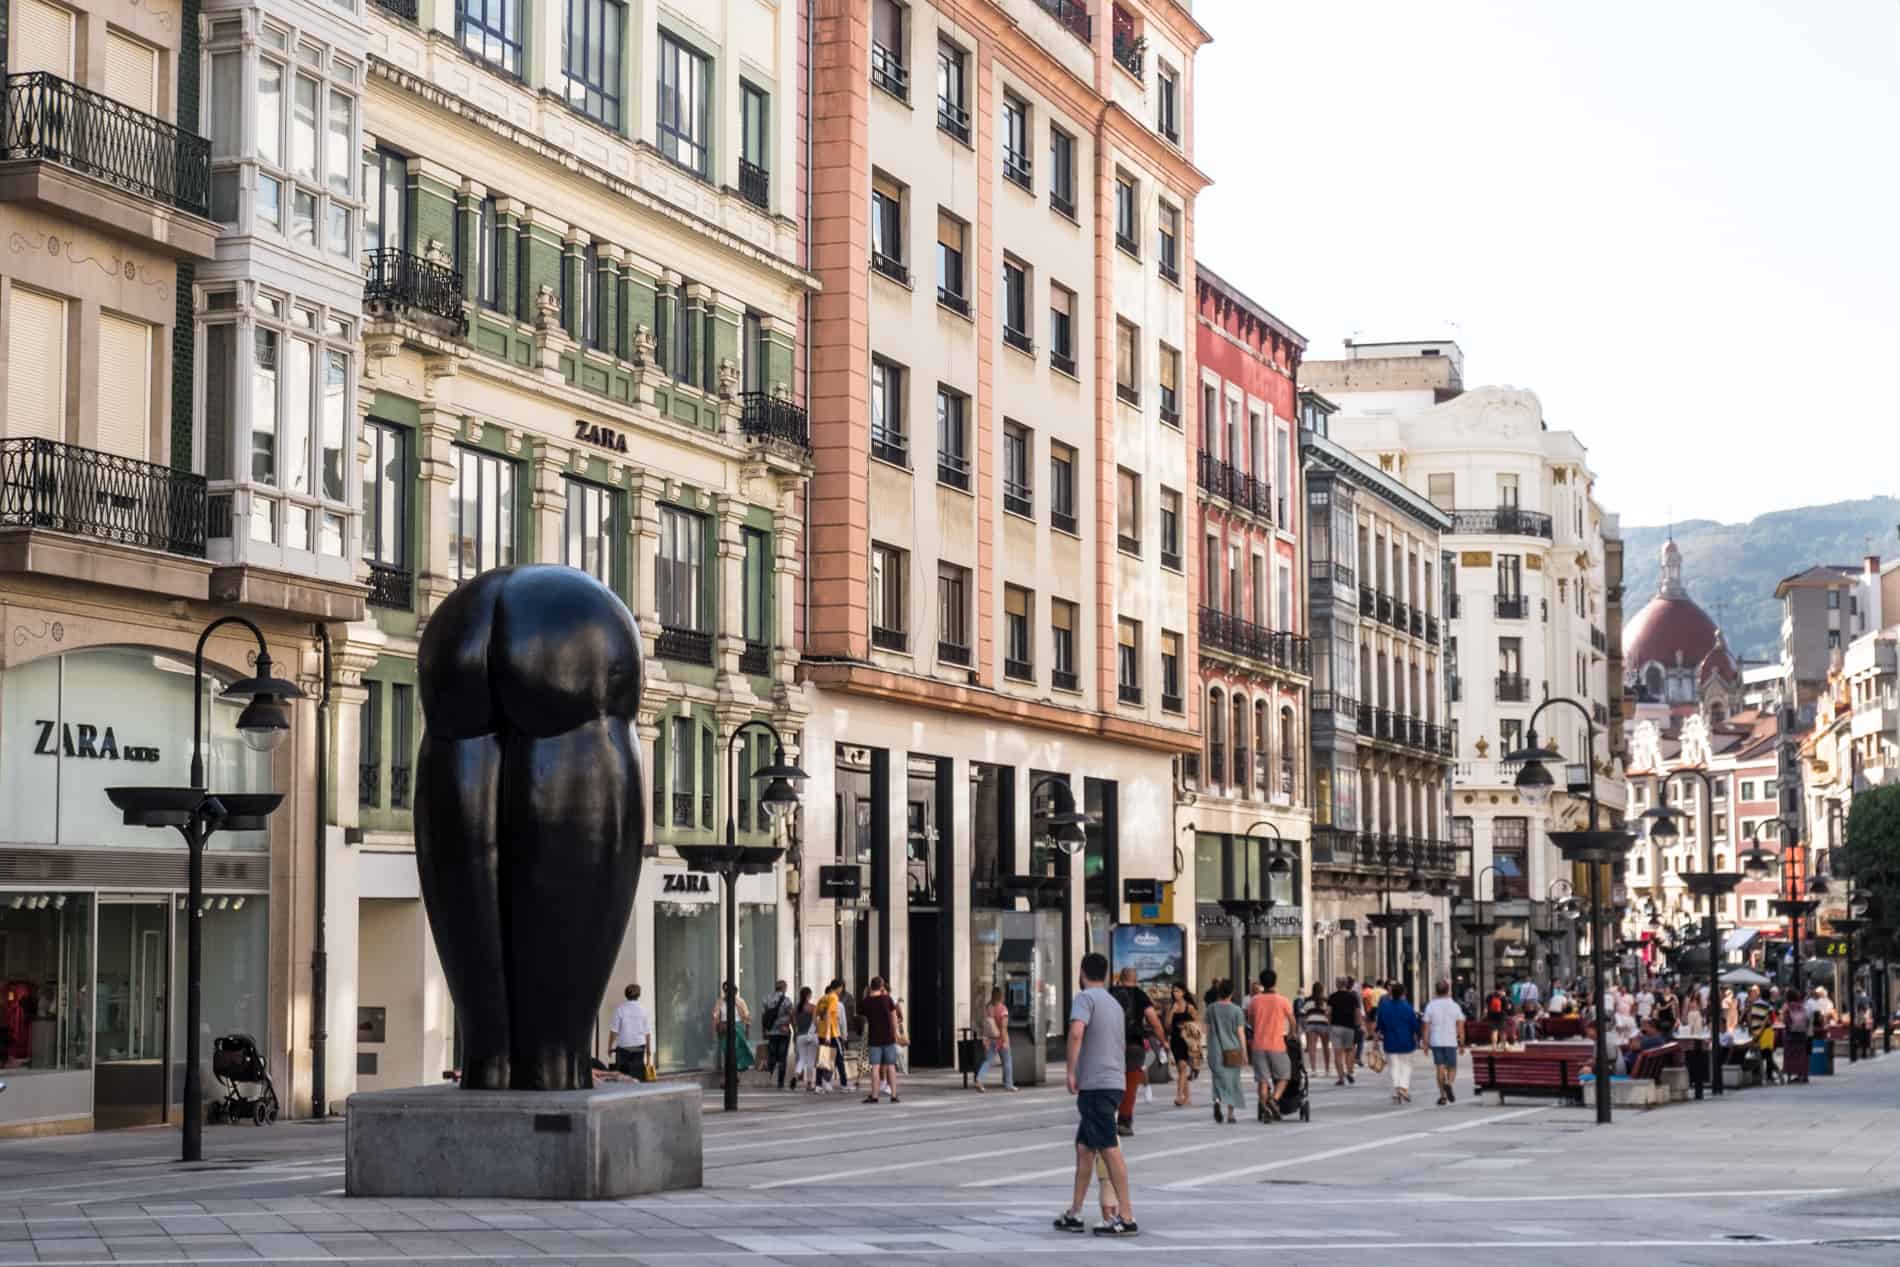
pixel 1510 736
pixel 1768 789
pixel 684 132
pixel 1016 161
pixel 1061 487
pixel 491 29
pixel 1062 172
pixel 1170 529
pixel 755 145
pixel 953 452
pixel 489 244
pixel 1018 496
pixel 679 570
pixel 1128 511
pixel 1127 362
pixel 1062 615
pixel 890 440
pixel 1016 306
pixel 1127 223
pixel 1507 492
pixel 1748 790
pixel 37 336
pixel 1062 328
pixel 124 392
pixel 887 229
pixel 890 585
pixel 481 513
pixel 1833 600
pixel 1510 655
pixel 1128 661
pixel 680 768
pixel 1167 102
pixel 1833 639
pixel 952 114
pixel 1510 576
pixel 1018 655
pixel 1168 245
pixel 307 153
pixel 385 219
pixel 1170 391
pixel 953 614
pixel 888 69
pixel 1210 420
pixel 593 321
pixel 755 597
pixel 1171 672
pixel 588 542
pixel 950 239
pixel 590 57
pixel 385 494
pixel 370 744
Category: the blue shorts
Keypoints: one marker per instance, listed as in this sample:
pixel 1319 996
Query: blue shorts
pixel 1446 1056
pixel 1097 1128
pixel 883 1055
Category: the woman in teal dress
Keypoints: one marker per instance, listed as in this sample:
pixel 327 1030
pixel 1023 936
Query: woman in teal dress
pixel 1226 1031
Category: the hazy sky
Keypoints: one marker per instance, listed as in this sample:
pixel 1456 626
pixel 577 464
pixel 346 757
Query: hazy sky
pixel 1678 221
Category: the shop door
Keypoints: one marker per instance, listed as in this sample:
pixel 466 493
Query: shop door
pixel 131 1022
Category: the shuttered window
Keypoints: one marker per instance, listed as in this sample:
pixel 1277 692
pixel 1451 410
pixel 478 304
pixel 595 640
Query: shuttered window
pixel 132 72
pixel 41 39
pixel 36 366
pixel 125 386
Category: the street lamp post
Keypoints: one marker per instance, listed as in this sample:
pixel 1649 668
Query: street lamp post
pixel 732 860
pixel 197 815
pixel 1708 884
pixel 1594 847
pixel 1480 925
pixel 1760 863
pixel 1564 909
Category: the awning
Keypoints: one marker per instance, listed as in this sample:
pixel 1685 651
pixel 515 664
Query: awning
pixel 1739 939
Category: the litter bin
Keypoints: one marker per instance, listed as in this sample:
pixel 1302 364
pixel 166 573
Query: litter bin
pixel 1821 1057
pixel 969 1053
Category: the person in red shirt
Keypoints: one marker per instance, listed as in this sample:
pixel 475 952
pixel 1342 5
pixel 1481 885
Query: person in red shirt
pixel 1270 1018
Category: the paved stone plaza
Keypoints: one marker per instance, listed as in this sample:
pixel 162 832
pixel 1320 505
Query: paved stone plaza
pixel 1783 1175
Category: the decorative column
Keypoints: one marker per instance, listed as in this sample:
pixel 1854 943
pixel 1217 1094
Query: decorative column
pixel 468 212
pixel 644 493
pixel 435 485
pixel 729 591
pixel 607 285
pixel 547 498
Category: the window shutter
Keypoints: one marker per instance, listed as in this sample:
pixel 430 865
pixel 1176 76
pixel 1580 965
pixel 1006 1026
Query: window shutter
pixel 36 366
pixel 42 39
pixel 131 72
pixel 125 386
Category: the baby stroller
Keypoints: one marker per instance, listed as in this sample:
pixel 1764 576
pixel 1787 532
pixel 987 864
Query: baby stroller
pixel 238 1064
pixel 1294 1099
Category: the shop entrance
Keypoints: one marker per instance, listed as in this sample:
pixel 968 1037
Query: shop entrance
pixel 129 1081
pixel 927 838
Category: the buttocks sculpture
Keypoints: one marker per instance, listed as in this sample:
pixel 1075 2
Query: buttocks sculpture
pixel 529 814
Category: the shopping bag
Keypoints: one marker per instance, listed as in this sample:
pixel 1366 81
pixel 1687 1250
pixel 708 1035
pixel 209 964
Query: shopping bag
pixel 1375 1060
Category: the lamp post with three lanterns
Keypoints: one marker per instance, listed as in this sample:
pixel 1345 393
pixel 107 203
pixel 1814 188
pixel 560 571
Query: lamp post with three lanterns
pixel 1708 884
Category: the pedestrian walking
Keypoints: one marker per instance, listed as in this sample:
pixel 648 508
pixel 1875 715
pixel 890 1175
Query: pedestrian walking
pixel 996 1042
pixel 775 1022
pixel 1143 1023
pixel 1347 1029
pixel 830 1025
pixel 1445 1035
pixel 1860 1030
pixel 1183 1023
pixel 883 1020
pixel 1398 1027
pixel 1797 1037
pixel 805 1041
pixel 1226 1049
pixel 1270 1023
pixel 1760 1014
pixel 1316 1020
pixel 631 1035
pixel 1097 1047
pixel 722 1017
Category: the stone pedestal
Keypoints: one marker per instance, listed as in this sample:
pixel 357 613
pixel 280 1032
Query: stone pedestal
pixel 443 1141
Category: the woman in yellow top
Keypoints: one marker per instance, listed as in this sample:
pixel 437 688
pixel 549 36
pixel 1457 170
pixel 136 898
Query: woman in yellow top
pixel 828 1022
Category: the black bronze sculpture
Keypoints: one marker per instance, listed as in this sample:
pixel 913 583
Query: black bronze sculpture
pixel 529 814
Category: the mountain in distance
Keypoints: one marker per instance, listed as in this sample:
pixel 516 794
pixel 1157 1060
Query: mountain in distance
pixel 1732 569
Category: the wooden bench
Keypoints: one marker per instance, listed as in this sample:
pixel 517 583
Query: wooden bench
pixel 1529 1073
pixel 1561 1026
pixel 1648 1065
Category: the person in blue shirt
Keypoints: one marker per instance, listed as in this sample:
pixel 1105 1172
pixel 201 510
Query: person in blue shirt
pixel 1397 1022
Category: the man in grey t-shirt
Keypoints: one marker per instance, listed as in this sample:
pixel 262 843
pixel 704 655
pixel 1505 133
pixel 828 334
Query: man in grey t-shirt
pixel 1096 1079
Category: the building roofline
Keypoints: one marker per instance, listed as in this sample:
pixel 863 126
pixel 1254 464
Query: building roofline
pixel 1233 292
pixel 1346 462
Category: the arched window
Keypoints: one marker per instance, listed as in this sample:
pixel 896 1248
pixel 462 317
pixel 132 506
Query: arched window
pixel 1216 738
pixel 1241 784
pixel 1289 753
pixel 1263 779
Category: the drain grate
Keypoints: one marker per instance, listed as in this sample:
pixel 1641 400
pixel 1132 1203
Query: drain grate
pixel 1743 1236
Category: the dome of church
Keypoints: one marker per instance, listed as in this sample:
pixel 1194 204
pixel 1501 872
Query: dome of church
pixel 1671 629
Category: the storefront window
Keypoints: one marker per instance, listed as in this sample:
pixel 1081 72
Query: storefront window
pixel 686 983
pixel 45 982
pixel 236 978
pixel 758 956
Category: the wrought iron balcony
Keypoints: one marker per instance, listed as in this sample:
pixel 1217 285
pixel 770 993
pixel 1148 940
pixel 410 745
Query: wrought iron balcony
pixel 682 809
pixel 953 653
pixel 1127 244
pixel 889 639
pixel 1128 692
pixel 1129 49
pixel 1385 609
pixel 1599 639
pixel 85 493
pixel 1513 688
pixel 1401 615
pixel 763 416
pixel 1063 521
pixel 391 586
pixel 889 73
pixel 398 282
pixel 1172 703
pixel 1017 169
pixel 688 646
pixel 954 119
pixel 1418 623
pixel 1018 670
pixel 1018 499
pixel 1505 521
pixel 891 268
pixel 53 120
pixel 1064 680
pixel 953 471
pixel 1368 601
pixel 890 446
pixel 369 782
pixel 1381 724
pixel 399 787
pixel 755 184
pixel 405 9
pixel 1020 340
pixel 954 301
pixel 1512 607
pixel 756 659
pixel 1062 361
pixel 1072 14
pixel 1235 636
pixel 1431 630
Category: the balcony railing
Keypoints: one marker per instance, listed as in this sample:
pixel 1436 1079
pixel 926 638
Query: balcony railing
pixel 54 120
pixel 1505 521
pixel 1513 688
pixel 64 488
pixel 406 9
pixel 391 586
pixel 764 416
pixel 953 471
pixel 1418 623
pixel 889 639
pixel 1020 340
pixel 1172 703
pixel 1017 169
pixel 891 268
pixel 755 184
pixel 955 653
pixel 889 73
pixel 399 787
pixel 1063 521
pixel 1235 486
pixel 1129 50
pixel 756 659
pixel 1074 15
pixel 954 119
pixel 890 446
pixel 1278 648
pixel 1062 361
pixel 1431 630
pixel 1334 702
pixel 1368 601
pixel 397 281
pixel 369 782
pixel 1599 639
pixel 1511 606
pixel 1128 393
pixel 1018 498
pixel 688 646
pixel 1018 670
pixel 1128 692
pixel 954 301
pixel 1127 544
pixel 1385 609
pixel 1064 679
pixel 683 809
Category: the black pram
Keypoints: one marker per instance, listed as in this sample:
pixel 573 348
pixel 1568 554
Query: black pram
pixel 238 1065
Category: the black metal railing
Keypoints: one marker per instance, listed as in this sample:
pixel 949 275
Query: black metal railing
pixel 1019 670
pixel 764 416
pixel 1127 244
pixel 688 646
pixel 889 72
pixel 955 301
pixel 64 488
pixel 1063 521
pixel 1233 485
pixel 1365 719
pixel 1381 723
pixel 399 787
pixel 391 586
pixel 953 653
pixel 1172 703
pixel 1169 270
pixel 397 281
pixel 953 471
pixel 56 121
pixel 1017 169
pixel 1074 15
pixel 890 446
pixel 954 119
pixel 1062 203
pixel 369 782
pixel 1401 615
pixel 1506 521
pixel 1062 361
pixel 1334 702
pixel 1418 623
pixel 1128 393
pixel 1451 608
pixel 1513 688
pixel 1127 544
pixel 406 9
pixel 755 183
pixel 683 809
pixel 1236 636
pixel 1064 680
pixel 1431 630
pixel 1511 606
pixel 1368 600
pixel 1128 692
pixel 1385 609
pixel 1129 50
pixel 1599 639
pixel 1018 499
pixel 756 659
pixel 891 268
pixel 889 639
pixel 1019 339
pixel 1171 559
